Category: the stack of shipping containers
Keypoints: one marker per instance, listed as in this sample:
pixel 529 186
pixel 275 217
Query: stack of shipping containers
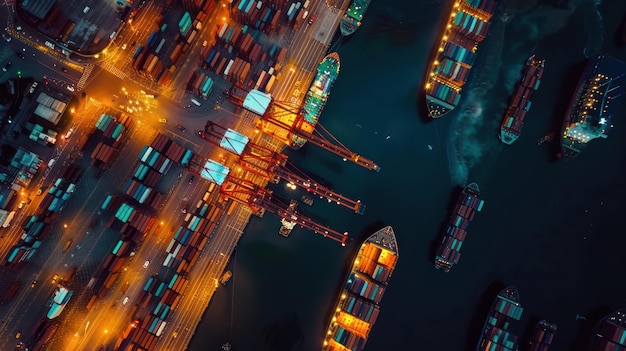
pixel 108 132
pixel 133 225
pixel 161 296
pixel 39 225
pixel 131 222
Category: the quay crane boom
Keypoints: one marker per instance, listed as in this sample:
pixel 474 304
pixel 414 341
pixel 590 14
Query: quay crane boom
pixel 269 110
pixel 260 199
pixel 269 164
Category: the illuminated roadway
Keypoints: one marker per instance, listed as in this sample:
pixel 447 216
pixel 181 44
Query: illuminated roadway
pixel 86 331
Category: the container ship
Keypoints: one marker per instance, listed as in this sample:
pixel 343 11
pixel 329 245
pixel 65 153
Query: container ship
pixel 465 28
pixel 597 97
pixel 315 99
pixel 352 18
pixel 542 337
pixel 610 332
pixel 468 203
pixel 495 334
pixel 358 306
pixel 520 101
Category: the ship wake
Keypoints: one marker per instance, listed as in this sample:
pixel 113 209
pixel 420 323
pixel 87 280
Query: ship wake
pixel 471 135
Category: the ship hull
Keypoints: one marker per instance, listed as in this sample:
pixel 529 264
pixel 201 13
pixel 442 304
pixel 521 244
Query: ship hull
pixel 465 28
pixel 519 104
pixel 357 308
pixel 610 332
pixel 467 205
pixel 316 96
pixel 351 20
pixel 602 81
pixel 542 337
pixel 495 335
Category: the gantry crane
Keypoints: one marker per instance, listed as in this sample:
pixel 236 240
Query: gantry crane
pixel 270 164
pixel 258 198
pixel 271 112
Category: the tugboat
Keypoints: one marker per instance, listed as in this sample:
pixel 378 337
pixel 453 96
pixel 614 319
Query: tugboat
pixel 226 277
pixel 287 225
pixel 307 200
pixel 546 138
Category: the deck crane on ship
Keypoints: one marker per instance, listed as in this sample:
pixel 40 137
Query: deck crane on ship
pixel 272 114
pixel 271 165
pixel 256 197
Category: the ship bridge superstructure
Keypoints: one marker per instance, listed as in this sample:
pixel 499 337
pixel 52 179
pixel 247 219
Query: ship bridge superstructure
pixel 598 94
pixel 594 119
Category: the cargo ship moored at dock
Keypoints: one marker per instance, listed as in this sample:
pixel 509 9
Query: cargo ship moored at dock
pixel 519 105
pixel 542 337
pixel 468 203
pixel 595 101
pixel 358 306
pixel 465 28
pixel 610 332
pixel 351 20
pixel 315 99
pixel 495 334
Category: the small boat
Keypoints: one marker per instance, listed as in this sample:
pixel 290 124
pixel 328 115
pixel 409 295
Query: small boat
pixel 307 200
pixel 287 225
pixel 546 138
pixel 226 277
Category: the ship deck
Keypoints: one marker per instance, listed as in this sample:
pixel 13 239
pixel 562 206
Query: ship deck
pixel 601 82
pixel 381 249
pixel 465 27
pixel 317 94
pixel 356 10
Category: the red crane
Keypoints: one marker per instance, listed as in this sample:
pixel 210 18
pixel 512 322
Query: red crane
pixel 271 112
pixel 270 164
pixel 260 200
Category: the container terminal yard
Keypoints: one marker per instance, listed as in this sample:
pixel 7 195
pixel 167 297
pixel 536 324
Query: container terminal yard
pixel 155 141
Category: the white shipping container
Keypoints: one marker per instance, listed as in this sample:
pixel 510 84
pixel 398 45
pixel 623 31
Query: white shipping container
pixel 168 260
pixel 160 46
pixel 161 327
pixel 230 64
pixel 223 30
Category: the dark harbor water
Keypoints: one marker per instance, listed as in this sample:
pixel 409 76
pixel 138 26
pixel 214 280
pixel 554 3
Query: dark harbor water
pixel 553 229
